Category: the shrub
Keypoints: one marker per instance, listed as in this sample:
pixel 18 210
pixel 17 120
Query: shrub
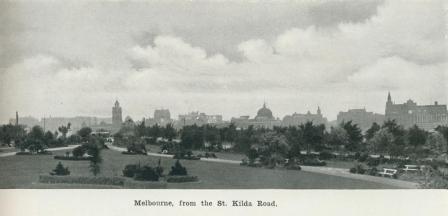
pixel 372 171
pixel 24 153
pixel 60 157
pixel 358 169
pixel 373 162
pixel 178 169
pixel 363 157
pixel 313 162
pixel 146 173
pixel 325 155
pixel 60 170
pixel 130 170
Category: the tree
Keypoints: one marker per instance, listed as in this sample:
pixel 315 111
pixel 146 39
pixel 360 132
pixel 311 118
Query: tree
pixel 84 133
pixel 398 145
pixel 140 129
pixel 443 130
pixel 192 137
pixel 34 141
pixel 64 130
pixel 372 130
pixel 169 133
pixel 9 133
pixel 354 136
pixel 60 170
pixel 380 142
pixel 436 144
pixel 416 136
pixel 338 137
pixel 95 159
pixel 312 135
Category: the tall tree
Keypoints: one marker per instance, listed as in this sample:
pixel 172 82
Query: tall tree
pixel 372 130
pixel 354 136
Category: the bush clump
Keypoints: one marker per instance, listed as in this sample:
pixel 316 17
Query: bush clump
pixel 178 169
pixel 146 173
pixel 60 170
pixel 143 173
pixel 358 169
pixel 313 162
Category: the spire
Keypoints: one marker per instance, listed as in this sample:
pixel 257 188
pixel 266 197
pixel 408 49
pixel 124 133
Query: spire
pixel 264 104
pixel 116 103
pixel 318 110
pixel 17 118
pixel 389 98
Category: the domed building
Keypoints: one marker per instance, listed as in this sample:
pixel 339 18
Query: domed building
pixel 264 113
pixel 263 119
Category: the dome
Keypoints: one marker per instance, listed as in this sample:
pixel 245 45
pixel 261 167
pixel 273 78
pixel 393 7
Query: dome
pixel 264 113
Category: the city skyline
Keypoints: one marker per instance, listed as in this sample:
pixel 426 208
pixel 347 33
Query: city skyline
pixel 296 56
pixel 175 116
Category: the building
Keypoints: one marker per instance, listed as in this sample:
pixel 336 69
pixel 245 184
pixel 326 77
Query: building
pixel 360 117
pixel 408 114
pixel 162 117
pixel 198 119
pixel 117 118
pixel 298 119
pixel 263 119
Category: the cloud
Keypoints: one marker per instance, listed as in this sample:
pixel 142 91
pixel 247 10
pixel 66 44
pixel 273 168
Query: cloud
pixel 352 64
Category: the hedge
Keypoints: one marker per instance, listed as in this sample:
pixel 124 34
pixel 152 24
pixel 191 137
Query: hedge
pixel 133 153
pixel 144 184
pixel 61 157
pixel 181 179
pixel 81 180
pixel 31 153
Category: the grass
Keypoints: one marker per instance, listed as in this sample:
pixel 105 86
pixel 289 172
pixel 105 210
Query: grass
pixel 23 172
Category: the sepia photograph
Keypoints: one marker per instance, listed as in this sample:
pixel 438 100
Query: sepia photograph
pixel 223 94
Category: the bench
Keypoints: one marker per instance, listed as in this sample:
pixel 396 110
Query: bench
pixel 411 168
pixel 388 173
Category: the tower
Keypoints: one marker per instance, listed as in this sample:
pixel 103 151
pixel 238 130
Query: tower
pixel 17 118
pixel 318 111
pixel 116 115
pixel 388 103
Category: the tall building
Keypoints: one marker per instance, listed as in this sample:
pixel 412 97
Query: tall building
pixel 162 116
pixel 297 118
pixel 117 119
pixel 408 114
pixel 263 119
pixel 360 117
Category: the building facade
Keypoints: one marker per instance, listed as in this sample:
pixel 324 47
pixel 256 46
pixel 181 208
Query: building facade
pixel 297 119
pixel 263 119
pixel 408 114
pixel 196 118
pixel 360 117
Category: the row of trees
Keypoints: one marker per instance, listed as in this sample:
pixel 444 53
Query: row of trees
pixel 389 138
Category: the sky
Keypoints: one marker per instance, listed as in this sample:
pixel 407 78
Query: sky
pixel 75 58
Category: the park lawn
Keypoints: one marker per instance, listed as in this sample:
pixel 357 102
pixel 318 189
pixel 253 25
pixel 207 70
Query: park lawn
pixel 23 172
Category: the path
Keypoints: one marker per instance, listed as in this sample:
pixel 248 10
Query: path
pixel 49 149
pixel 323 170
